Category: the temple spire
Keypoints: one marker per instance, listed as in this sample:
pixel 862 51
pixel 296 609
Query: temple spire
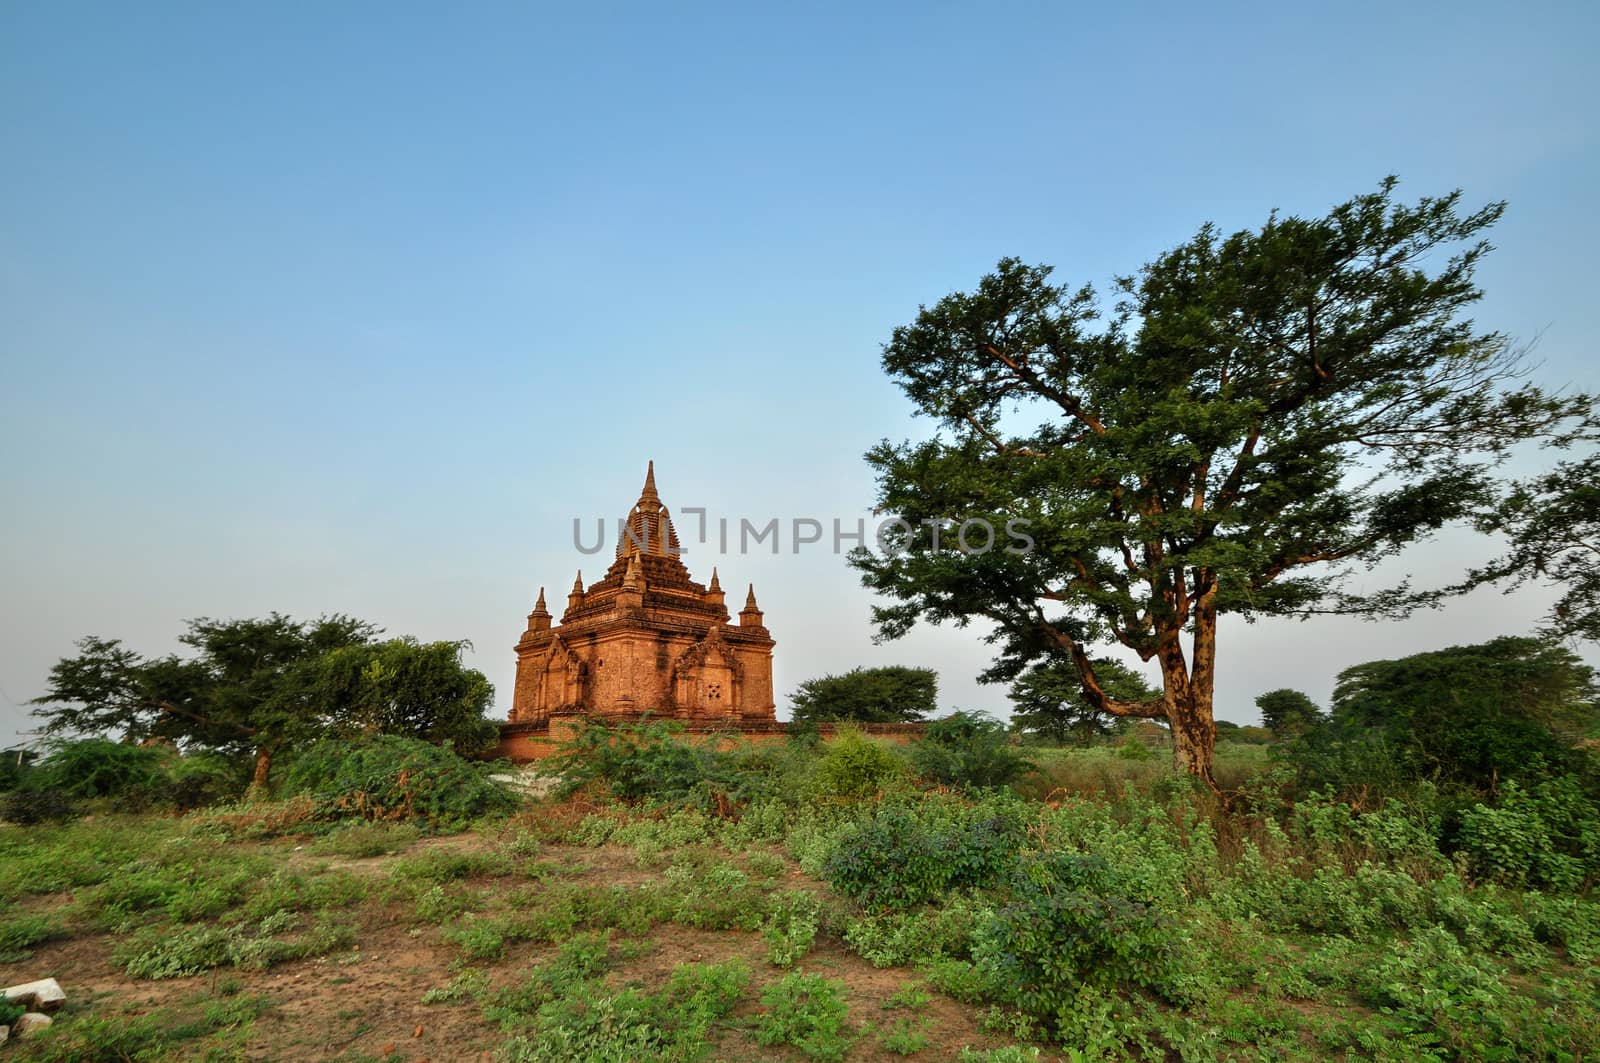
pixel 716 585
pixel 649 491
pixel 750 615
pixel 539 619
pixel 577 584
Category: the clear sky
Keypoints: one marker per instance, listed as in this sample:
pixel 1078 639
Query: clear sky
pixel 354 307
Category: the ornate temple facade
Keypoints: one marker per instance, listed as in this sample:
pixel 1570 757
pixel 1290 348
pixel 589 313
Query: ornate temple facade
pixel 646 638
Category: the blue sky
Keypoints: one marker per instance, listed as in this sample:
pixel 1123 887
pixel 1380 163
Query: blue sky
pixel 354 307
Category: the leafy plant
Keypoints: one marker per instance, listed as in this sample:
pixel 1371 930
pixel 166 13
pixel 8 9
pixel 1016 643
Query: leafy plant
pixel 853 766
pixel 807 1012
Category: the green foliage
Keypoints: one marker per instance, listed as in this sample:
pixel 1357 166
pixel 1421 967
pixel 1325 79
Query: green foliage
pixel 808 1013
pixel 969 749
pixel 387 777
pixel 29 807
pixel 1287 712
pixel 792 923
pixel 853 766
pixel 9 1012
pixel 409 688
pixel 651 762
pixel 95 767
pixel 1552 522
pixel 892 694
pixel 902 857
pixel 260 686
pixel 1546 837
pixel 575 1021
pixel 220 1023
pixel 1074 924
pixel 1258 414
pixel 19 933
pixel 1468 716
pixel 362 839
pixel 905 1037
pixel 191 950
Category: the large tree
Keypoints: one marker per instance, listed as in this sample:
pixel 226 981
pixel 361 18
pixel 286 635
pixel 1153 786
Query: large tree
pixel 889 694
pixel 1257 415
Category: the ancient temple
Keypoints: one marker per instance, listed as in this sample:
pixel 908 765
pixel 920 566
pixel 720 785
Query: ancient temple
pixel 645 638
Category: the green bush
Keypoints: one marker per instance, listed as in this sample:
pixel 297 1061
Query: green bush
pixel 968 749
pixel 1074 924
pixel 853 766
pixel 1546 837
pixel 28 808
pixel 650 762
pixel 903 856
pixel 386 777
pixel 98 767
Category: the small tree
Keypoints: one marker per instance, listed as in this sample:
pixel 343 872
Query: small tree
pixel 410 688
pixel 1050 702
pixel 892 694
pixel 1287 713
pixel 258 686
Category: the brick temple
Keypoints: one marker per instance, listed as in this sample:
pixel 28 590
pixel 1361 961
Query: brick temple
pixel 646 638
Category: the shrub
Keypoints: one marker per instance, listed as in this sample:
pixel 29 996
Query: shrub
pixel 968 749
pixel 900 857
pixel 386 777
pixel 1547 837
pixel 98 767
pixel 195 781
pixel 650 762
pixel 791 927
pixel 1074 924
pixel 853 766
pixel 28 808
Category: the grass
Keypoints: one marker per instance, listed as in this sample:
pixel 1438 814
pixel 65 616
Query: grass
pixel 582 931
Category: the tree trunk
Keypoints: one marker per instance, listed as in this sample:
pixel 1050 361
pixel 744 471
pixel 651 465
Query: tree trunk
pixel 258 784
pixel 1189 695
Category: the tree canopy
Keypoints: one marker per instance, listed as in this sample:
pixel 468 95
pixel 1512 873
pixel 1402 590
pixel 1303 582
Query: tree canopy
pixel 1257 415
pixel 891 694
pixel 258 686
pixel 1552 526
pixel 1471 715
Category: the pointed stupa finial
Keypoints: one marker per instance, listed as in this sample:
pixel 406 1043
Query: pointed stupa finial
pixel 716 584
pixel 539 606
pixel 630 576
pixel 750 615
pixel 577 584
pixel 649 483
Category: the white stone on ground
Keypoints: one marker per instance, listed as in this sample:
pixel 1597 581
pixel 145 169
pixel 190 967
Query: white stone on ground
pixel 43 995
